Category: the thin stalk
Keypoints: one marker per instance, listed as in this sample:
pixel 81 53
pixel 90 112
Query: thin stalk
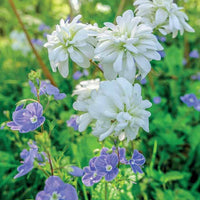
pixel 50 163
pixel 120 8
pixel 96 65
pixel 43 66
pixel 106 192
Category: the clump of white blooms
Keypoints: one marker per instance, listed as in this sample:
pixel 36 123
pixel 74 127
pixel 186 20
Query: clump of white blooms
pixel 19 42
pixel 116 107
pixel 164 15
pixel 70 40
pixel 83 91
pixel 127 46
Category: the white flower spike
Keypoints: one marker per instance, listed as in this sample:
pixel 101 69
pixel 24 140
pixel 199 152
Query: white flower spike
pixel 127 46
pixel 116 107
pixel 164 15
pixel 70 41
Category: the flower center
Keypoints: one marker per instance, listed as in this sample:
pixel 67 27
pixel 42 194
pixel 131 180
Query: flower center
pixel 132 162
pixel 34 119
pixel 108 168
pixel 55 196
pixel 191 100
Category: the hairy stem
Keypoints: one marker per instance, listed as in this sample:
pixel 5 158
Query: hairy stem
pixel 43 66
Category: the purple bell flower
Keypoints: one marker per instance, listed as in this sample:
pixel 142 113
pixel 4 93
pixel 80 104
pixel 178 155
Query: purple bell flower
pixel 37 42
pixel 56 189
pixel 189 99
pixel 29 157
pixel 137 161
pixel 48 89
pixel 156 100
pixel 76 171
pixel 28 119
pixel 72 122
pixel 90 174
pixel 162 54
pixel 194 54
pixel 43 27
pixel 106 165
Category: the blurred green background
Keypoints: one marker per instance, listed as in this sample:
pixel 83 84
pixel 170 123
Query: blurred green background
pixel 172 148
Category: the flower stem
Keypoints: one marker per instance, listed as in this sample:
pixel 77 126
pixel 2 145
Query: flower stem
pixel 50 163
pixel 106 192
pixel 43 66
pixel 96 65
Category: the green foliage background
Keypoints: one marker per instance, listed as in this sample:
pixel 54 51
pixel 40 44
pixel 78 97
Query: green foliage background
pixel 172 148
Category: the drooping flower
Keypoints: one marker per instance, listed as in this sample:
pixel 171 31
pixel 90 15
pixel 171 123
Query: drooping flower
pixel 29 157
pixel 127 46
pixel 137 161
pixel 163 15
pixel 106 165
pixel 90 174
pixel 117 107
pixel 56 189
pixel 76 171
pixel 156 100
pixel 48 89
pixel 72 122
pixel 28 119
pixel 194 54
pixel 70 40
pixel 189 99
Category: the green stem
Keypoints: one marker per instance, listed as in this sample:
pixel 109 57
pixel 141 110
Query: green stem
pixel 106 192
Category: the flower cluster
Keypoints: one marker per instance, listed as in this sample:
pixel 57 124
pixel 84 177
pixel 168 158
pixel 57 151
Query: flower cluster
pixel 27 119
pixel 191 101
pixel 164 15
pixel 127 46
pixel 46 88
pixel 70 40
pixel 116 107
pixel 107 165
pixel 29 157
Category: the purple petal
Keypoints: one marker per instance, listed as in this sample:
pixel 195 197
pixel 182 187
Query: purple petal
pixel 22 117
pixel 100 165
pixel 122 155
pixel 112 174
pixel 35 108
pixel 138 158
pixel 13 126
pixel 53 183
pixel 19 107
pixel 104 151
pixel 76 171
pixel 33 88
pixel 77 75
pixel 24 154
pixel 136 168
pixel 112 159
pixel 42 196
pixel 92 164
pixel 60 96
pixel 68 192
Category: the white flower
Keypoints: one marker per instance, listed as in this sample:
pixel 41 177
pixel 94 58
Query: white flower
pixel 19 42
pixel 125 47
pixel 83 90
pixel 70 40
pixel 164 15
pixel 116 107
